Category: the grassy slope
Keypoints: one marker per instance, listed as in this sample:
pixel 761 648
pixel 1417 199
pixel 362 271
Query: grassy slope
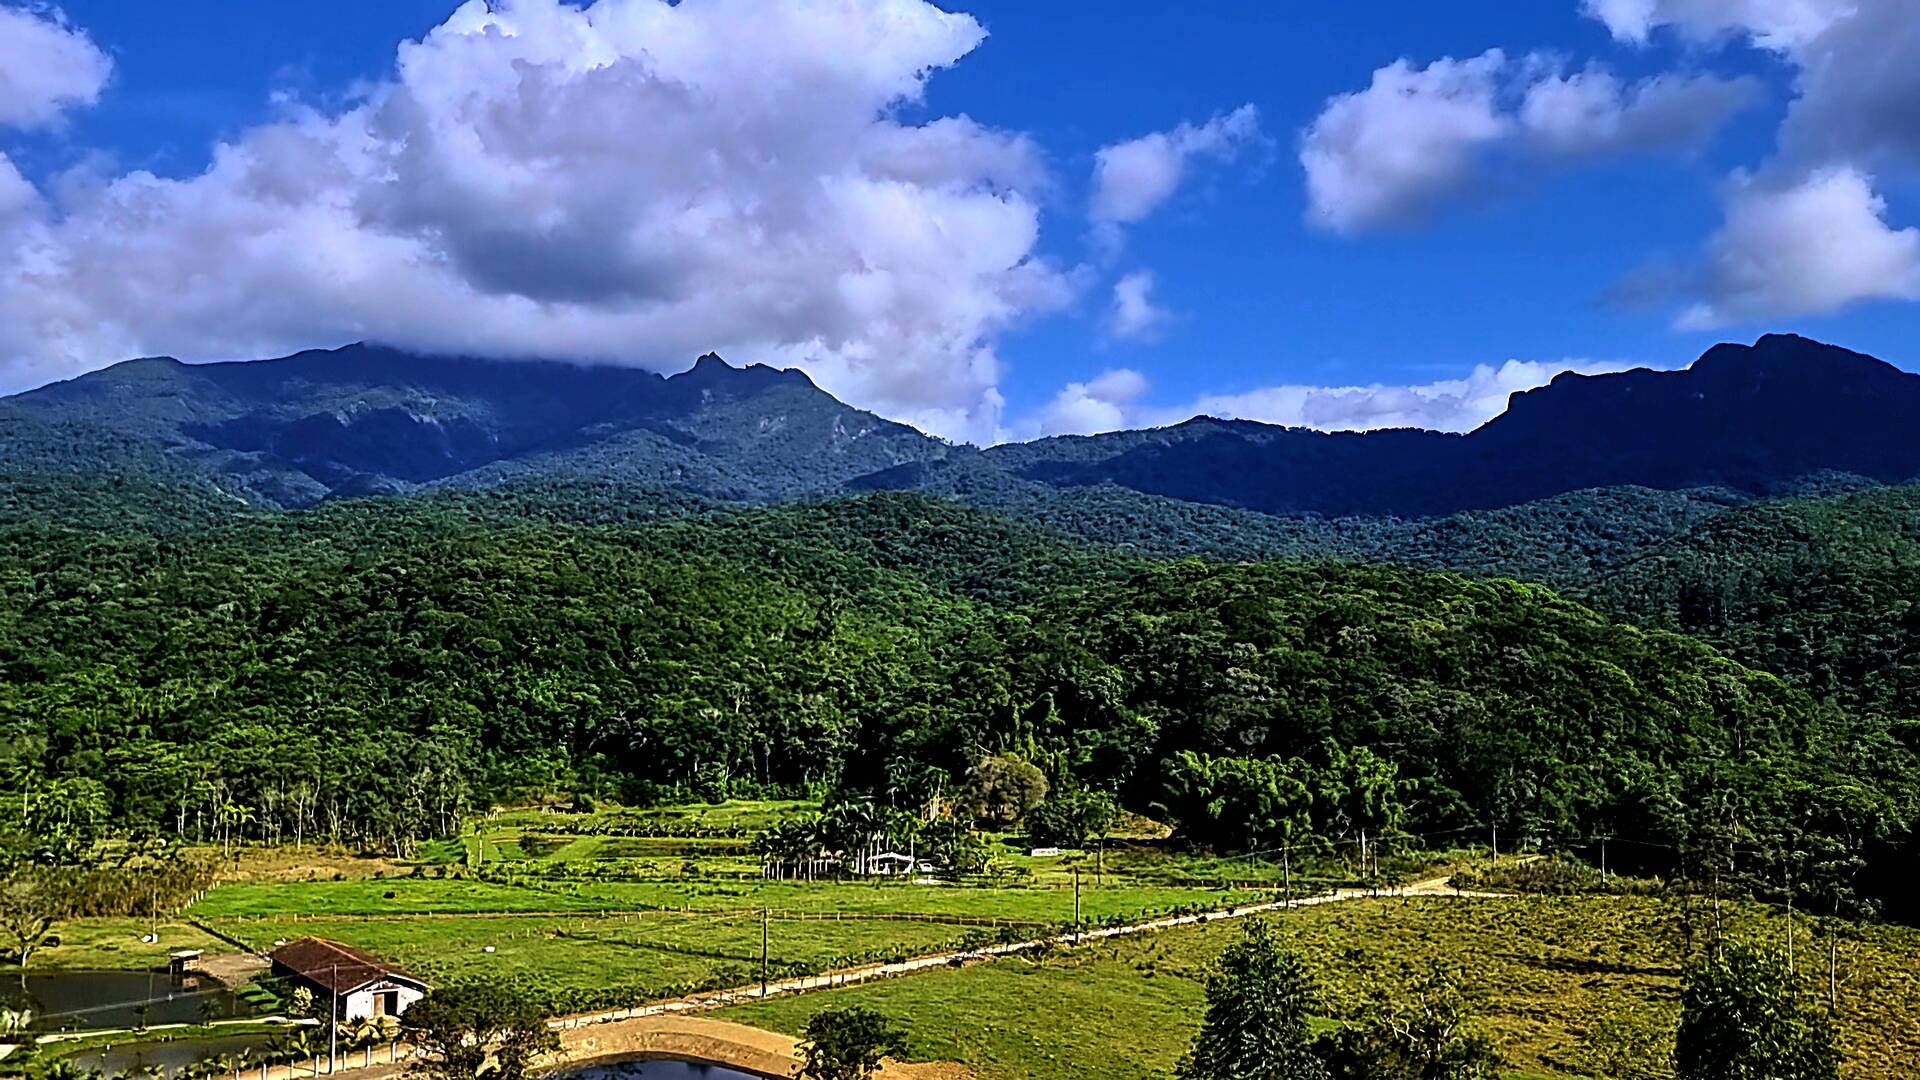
pixel 1549 970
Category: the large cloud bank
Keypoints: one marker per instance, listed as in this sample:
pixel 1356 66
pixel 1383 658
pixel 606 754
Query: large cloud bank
pixel 634 182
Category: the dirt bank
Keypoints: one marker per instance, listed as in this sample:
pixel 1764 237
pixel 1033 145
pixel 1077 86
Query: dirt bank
pixel 718 1042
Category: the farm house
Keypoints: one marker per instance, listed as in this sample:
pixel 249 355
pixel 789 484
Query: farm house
pixel 360 985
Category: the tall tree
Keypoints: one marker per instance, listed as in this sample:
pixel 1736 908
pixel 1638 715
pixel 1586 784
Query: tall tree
pixel 1004 787
pixel 1426 1035
pixel 1258 1002
pixel 468 1032
pixel 849 1044
pixel 1742 1018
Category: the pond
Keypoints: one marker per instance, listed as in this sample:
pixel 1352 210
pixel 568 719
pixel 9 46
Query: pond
pixel 69 1000
pixel 170 1057
pixel 658 1070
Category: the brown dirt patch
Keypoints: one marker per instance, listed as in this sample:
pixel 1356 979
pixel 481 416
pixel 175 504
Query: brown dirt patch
pixel 698 1038
pixel 232 969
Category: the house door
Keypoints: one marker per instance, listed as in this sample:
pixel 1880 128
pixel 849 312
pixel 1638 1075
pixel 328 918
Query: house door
pixel 386 1003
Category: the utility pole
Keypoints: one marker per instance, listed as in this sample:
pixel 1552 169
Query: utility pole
pixel 763 953
pixel 1790 970
pixel 1076 897
pixel 1833 970
pixel 333 1035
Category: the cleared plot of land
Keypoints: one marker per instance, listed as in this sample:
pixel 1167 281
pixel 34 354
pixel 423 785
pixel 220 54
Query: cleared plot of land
pixel 397 895
pixel 596 961
pixel 1549 972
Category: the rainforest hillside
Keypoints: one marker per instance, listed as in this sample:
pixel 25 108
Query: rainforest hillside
pixel 379 665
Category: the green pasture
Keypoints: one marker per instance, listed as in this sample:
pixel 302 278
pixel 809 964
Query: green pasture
pixel 1552 976
pixel 582 962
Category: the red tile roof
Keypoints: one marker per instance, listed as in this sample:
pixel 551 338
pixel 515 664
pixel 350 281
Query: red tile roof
pixel 335 967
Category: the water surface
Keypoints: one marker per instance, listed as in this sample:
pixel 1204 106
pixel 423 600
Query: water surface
pixel 72 1000
pixel 658 1070
pixel 126 1058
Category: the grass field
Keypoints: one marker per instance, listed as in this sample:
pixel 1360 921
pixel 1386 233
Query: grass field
pixel 586 911
pixel 410 896
pixel 610 961
pixel 114 944
pixel 1549 973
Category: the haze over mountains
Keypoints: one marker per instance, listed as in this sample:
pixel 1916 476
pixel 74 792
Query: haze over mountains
pixel 360 420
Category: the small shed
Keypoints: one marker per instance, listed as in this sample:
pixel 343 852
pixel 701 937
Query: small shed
pixel 890 864
pixel 361 986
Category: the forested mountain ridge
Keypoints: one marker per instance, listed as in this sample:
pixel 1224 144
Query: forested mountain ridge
pixel 542 578
pixel 367 420
pixel 1745 420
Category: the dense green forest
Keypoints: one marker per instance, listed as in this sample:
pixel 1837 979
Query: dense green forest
pixel 1826 592
pixel 373 670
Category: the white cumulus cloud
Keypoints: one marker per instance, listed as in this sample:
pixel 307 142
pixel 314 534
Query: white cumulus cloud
pixel 1460 404
pixel 1132 179
pixel 1419 137
pixel 1411 139
pixel 46 66
pixel 1105 403
pixel 1134 314
pixel 632 182
pixel 1772 24
pixel 1807 231
pixel 1809 248
pixel 1593 112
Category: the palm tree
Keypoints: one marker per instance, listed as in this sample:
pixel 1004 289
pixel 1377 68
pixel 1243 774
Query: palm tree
pixel 297 1046
pixel 14 1021
pixel 796 842
pixel 855 828
pixel 360 1035
pixel 65 1069
pixel 906 825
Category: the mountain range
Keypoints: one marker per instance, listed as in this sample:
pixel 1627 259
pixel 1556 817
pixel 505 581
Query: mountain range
pixel 208 567
pixel 365 420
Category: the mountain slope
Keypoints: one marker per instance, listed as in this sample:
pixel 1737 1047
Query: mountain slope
pixel 367 420
pixel 1743 421
pixel 1747 418
pixel 1824 592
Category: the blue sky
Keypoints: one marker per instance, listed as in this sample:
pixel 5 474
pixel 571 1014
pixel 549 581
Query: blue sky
pixel 1633 238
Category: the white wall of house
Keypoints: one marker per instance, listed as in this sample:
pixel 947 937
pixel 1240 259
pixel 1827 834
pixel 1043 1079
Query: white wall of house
pixel 386 998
